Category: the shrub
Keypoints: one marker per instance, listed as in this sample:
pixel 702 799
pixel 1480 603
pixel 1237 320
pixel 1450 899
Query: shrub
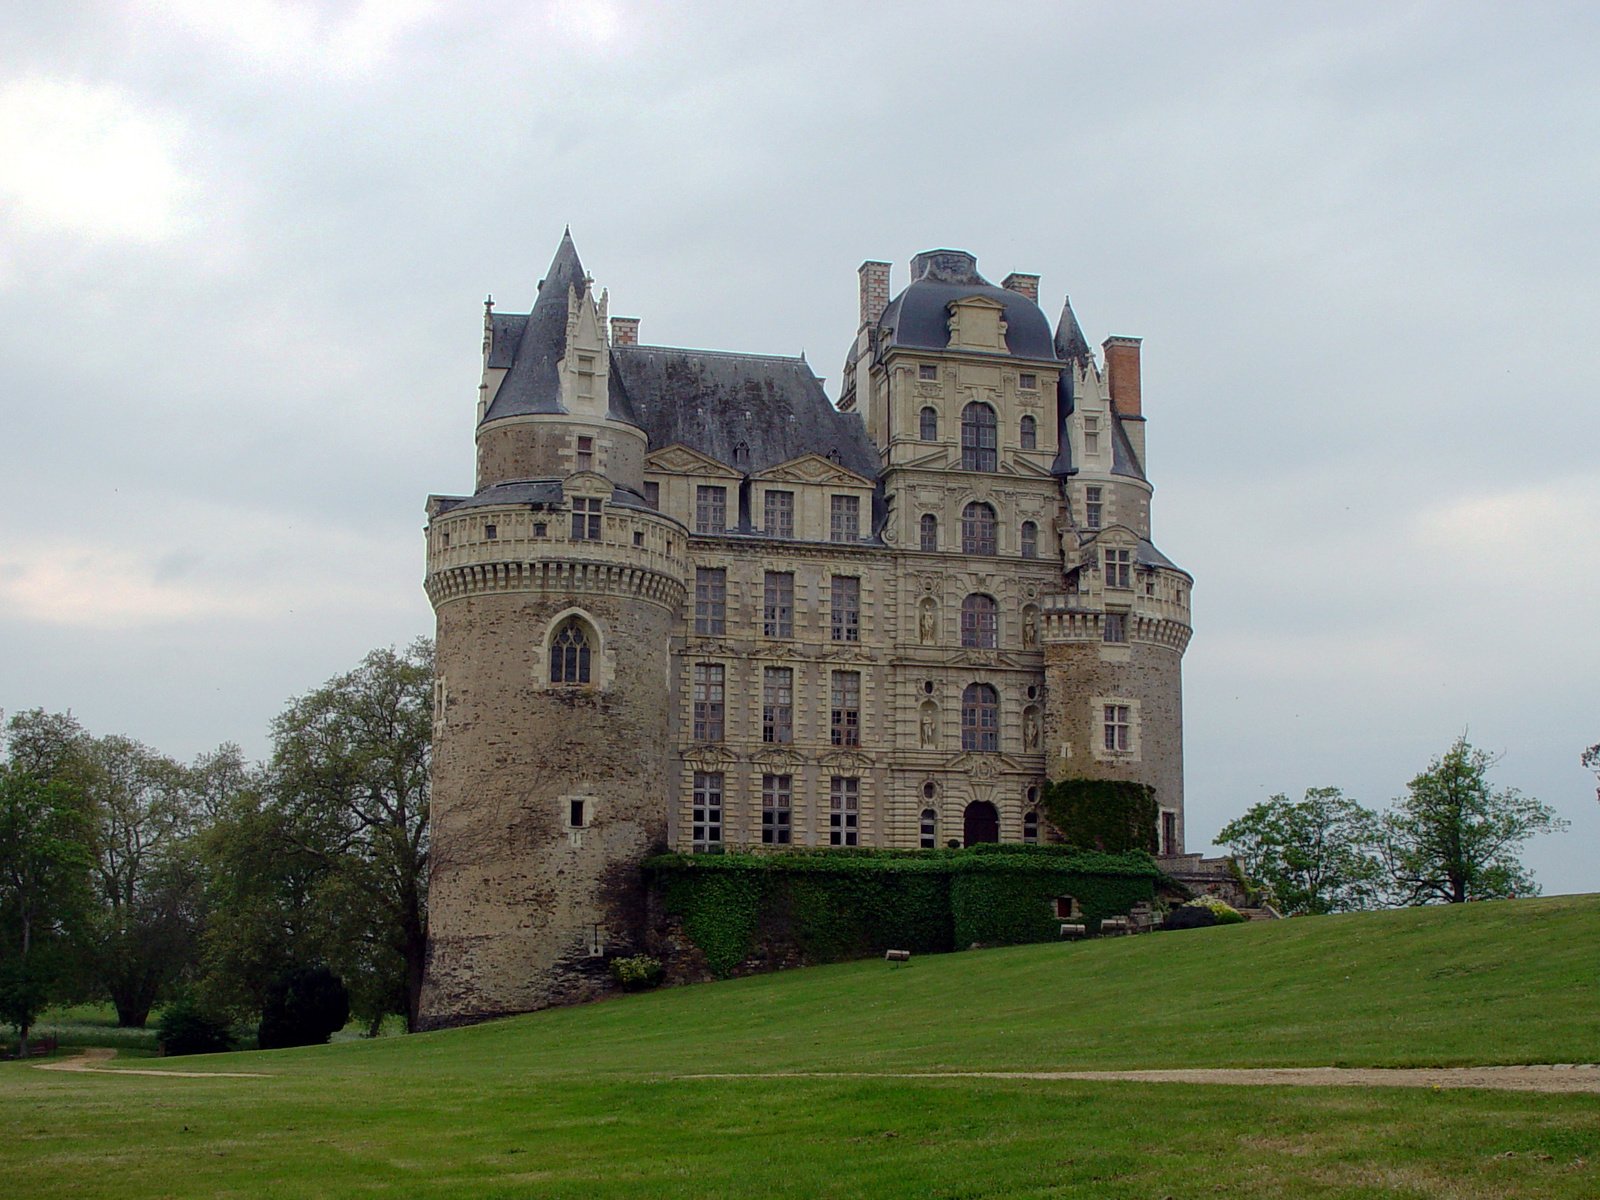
pixel 1222 912
pixel 637 973
pixel 186 1028
pixel 1190 916
pixel 303 1007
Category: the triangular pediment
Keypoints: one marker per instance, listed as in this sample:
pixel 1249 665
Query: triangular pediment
pixel 709 757
pixel 679 459
pixel 778 759
pixel 812 468
pixel 983 766
pixel 976 301
pixel 847 760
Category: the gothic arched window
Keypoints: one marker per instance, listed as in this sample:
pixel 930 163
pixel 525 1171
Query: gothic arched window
pixel 929 530
pixel 1030 434
pixel 980 718
pixel 977 529
pixel 569 653
pixel 980 622
pixel 978 438
pixel 928 425
pixel 1030 540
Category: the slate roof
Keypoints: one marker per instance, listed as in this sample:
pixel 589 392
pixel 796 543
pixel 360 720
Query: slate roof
pixel 1123 460
pixel 918 317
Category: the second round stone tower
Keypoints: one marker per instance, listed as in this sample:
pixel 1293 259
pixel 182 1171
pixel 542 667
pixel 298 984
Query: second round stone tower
pixel 556 586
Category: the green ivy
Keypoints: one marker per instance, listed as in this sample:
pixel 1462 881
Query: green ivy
pixel 1114 815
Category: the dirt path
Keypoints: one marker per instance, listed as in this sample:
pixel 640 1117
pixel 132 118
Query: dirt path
pixel 94 1058
pixel 1564 1077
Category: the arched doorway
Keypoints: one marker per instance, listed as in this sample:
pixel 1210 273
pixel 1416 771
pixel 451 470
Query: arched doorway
pixel 981 823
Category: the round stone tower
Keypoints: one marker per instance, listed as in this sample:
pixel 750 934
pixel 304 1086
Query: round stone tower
pixel 555 587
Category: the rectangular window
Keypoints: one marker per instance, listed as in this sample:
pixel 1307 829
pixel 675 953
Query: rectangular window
pixel 1091 508
pixel 585 520
pixel 1115 628
pixel 777 809
pixel 929 830
pixel 652 495
pixel 844 519
pixel 710 509
pixel 778 520
pixel 490 532
pixel 1119 568
pixel 927 371
pixel 1028 381
pixel 575 813
pixel 845 708
pixel 585 374
pixel 1169 833
pixel 846 609
pixel 844 811
pixel 777 705
pixel 585 454
pixel 1117 727
pixel 1091 435
pixel 708 702
pixel 777 605
pixel 707 810
pixel 711 601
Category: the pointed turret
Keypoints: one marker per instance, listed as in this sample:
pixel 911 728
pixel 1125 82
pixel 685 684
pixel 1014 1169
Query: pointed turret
pixel 1072 348
pixel 1071 345
pixel 533 385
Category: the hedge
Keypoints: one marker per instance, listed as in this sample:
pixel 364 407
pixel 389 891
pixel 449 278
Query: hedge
pixel 1114 815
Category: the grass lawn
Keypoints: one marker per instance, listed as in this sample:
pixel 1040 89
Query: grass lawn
pixel 591 1101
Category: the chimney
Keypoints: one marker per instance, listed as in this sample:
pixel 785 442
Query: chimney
pixel 1023 285
pixel 624 331
pixel 1122 375
pixel 874 290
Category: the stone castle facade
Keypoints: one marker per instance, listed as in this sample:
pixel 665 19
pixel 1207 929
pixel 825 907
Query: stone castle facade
pixel 694 604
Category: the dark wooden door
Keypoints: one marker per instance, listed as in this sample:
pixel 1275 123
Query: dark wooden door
pixel 982 823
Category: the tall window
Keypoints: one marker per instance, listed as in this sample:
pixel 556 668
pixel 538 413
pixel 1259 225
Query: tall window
pixel 845 708
pixel 844 523
pixel 1119 568
pixel 708 702
pixel 980 622
pixel 778 520
pixel 928 425
pixel 845 612
pixel 1169 832
pixel 1092 507
pixel 707 810
pixel 1091 435
pixel 844 811
pixel 977 529
pixel 710 509
pixel 585 457
pixel 569 653
pixel 980 718
pixel 1115 628
pixel 777 605
pixel 777 809
pixel 585 519
pixel 777 705
pixel 1030 540
pixel 928 529
pixel 929 829
pixel 711 601
pixel 1030 826
pixel 1118 727
pixel 1030 434
pixel 978 438
pixel 652 495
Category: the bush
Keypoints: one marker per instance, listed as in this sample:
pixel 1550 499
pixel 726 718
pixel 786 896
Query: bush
pixel 303 1007
pixel 186 1028
pixel 1201 912
pixel 637 973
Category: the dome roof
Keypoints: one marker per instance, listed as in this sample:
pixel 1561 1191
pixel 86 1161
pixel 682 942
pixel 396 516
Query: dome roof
pixel 918 317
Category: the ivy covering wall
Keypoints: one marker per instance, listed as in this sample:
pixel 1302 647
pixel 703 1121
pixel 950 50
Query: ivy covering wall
pixel 829 905
pixel 1114 815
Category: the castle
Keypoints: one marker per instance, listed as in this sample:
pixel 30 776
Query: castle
pixel 695 604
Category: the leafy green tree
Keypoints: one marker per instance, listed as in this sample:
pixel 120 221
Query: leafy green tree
pixel 1452 838
pixel 1317 855
pixel 1591 759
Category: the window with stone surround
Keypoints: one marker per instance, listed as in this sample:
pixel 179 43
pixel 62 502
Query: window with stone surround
pixel 1117 727
pixel 1169 831
pixel 844 614
pixel 569 653
pixel 928 829
pixel 928 532
pixel 777 809
pixel 844 518
pixel 778 519
pixel 1115 627
pixel 707 816
pixel 845 708
pixel 979 438
pixel 652 495
pixel 980 622
pixel 708 702
pixel 585 456
pixel 928 424
pixel 711 601
pixel 1093 507
pixel 777 705
pixel 980 718
pixel 1028 381
pixel 1091 435
pixel 978 528
pixel 710 509
pixel 1030 826
pixel 927 371
pixel 1030 540
pixel 586 519
pixel 777 604
pixel 844 810
pixel 1118 568
pixel 1030 433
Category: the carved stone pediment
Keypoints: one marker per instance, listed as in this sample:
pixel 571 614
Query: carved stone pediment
pixel 983 766
pixel 710 757
pixel 681 460
pixel 812 468
pixel 847 760
pixel 778 759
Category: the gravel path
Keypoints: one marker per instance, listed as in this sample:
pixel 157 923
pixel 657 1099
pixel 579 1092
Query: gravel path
pixel 94 1059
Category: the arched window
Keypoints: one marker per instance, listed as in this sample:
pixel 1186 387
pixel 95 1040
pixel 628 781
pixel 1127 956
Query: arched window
pixel 1030 434
pixel 978 438
pixel 569 653
pixel 1030 540
pixel 977 529
pixel 929 829
pixel 980 718
pixel 930 531
pixel 980 622
pixel 1030 826
pixel 928 425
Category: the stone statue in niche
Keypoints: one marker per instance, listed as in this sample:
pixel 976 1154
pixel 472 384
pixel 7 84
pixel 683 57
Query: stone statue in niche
pixel 926 623
pixel 930 725
pixel 1030 730
pixel 1030 629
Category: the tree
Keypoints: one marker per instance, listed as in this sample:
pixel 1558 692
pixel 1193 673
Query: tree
pixel 1591 759
pixel 1453 839
pixel 1317 855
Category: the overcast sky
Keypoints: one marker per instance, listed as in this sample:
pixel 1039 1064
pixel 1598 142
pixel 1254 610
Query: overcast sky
pixel 244 249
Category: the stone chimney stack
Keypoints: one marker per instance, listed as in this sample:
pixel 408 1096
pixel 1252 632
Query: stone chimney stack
pixel 1023 285
pixel 1122 375
pixel 874 290
pixel 624 331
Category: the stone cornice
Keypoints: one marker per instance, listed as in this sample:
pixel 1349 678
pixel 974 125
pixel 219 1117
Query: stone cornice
pixel 555 575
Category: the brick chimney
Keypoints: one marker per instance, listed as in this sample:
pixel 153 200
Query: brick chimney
pixel 624 331
pixel 874 290
pixel 1122 374
pixel 1023 285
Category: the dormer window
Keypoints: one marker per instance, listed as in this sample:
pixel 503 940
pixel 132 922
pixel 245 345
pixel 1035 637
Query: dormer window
pixel 585 520
pixel 927 372
pixel 586 375
pixel 1028 381
pixel 1091 435
pixel 741 454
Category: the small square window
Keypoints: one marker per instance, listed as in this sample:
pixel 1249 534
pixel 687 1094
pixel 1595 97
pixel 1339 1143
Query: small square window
pixel 638 537
pixel 490 532
pixel 540 529
pixel 927 371
pixel 1116 627
pixel 1028 381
